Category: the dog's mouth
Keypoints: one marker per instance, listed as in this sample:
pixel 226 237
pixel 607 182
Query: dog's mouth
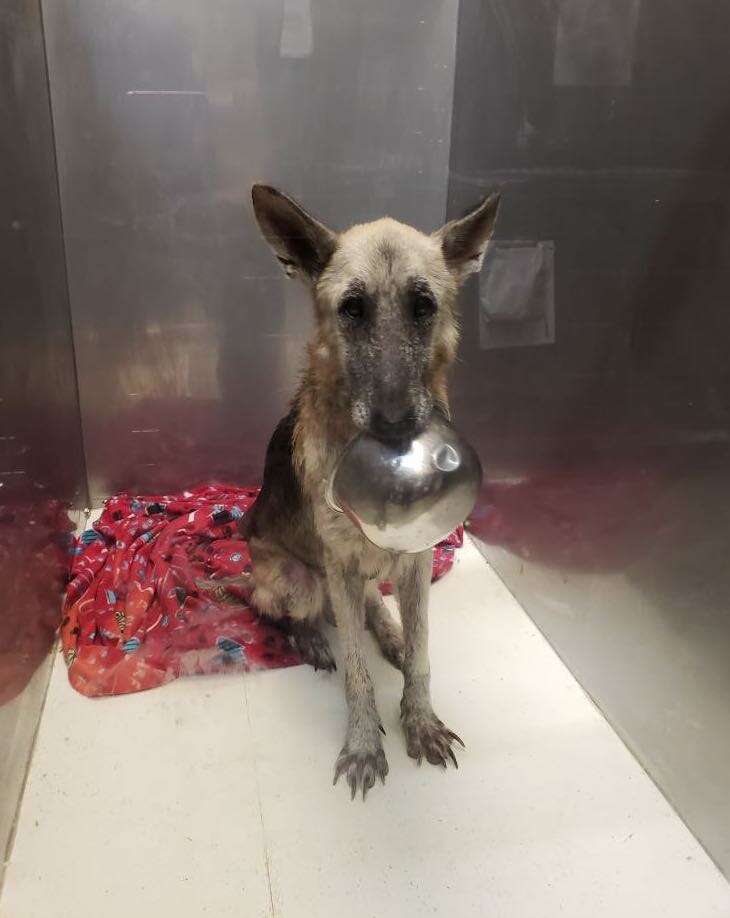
pixel 404 428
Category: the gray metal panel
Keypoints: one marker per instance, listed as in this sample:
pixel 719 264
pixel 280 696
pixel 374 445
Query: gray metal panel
pixel 606 122
pixel 40 437
pixel 41 456
pixel 189 340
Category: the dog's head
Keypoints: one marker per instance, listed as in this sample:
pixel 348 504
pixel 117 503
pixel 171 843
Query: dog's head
pixel 384 296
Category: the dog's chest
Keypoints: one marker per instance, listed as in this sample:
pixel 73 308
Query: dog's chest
pixel 342 537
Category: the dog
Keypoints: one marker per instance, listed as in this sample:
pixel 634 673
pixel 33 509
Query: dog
pixel 386 332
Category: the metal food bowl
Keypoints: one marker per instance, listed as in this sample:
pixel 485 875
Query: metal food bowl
pixel 407 496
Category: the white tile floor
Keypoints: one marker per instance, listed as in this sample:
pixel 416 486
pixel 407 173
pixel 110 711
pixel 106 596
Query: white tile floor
pixel 213 796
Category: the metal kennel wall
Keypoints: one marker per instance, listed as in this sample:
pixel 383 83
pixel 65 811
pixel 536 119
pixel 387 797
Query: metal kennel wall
pixel 41 453
pixel 594 372
pixel 188 337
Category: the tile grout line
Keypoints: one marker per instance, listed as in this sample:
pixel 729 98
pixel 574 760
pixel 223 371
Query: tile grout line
pixel 258 797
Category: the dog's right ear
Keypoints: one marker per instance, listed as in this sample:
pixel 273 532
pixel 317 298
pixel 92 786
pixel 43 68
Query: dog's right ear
pixel 302 245
pixel 464 241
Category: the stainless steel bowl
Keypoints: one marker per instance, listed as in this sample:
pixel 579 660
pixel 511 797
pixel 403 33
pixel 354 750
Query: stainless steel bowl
pixel 407 496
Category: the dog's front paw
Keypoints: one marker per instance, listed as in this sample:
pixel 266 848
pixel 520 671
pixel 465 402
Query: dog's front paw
pixel 427 737
pixel 361 762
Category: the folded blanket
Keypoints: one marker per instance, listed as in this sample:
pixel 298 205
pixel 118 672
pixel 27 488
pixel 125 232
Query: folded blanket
pixel 133 616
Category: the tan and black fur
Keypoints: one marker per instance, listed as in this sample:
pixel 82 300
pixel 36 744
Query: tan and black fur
pixel 386 332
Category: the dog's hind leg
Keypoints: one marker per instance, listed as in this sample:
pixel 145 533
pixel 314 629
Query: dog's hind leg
pixel 294 595
pixel 292 611
pixel 313 646
pixel 387 632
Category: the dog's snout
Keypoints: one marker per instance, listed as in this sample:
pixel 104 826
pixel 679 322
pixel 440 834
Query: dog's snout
pixel 393 422
pixel 394 411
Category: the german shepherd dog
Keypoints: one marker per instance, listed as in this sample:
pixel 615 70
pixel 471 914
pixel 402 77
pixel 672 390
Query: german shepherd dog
pixel 385 334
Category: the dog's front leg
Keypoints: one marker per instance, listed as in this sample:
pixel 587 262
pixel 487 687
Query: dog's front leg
pixel 426 735
pixel 362 758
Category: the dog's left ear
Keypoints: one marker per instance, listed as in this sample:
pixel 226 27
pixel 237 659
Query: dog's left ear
pixel 302 244
pixel 464 241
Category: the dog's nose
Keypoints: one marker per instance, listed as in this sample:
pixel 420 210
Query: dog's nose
pixel 392 423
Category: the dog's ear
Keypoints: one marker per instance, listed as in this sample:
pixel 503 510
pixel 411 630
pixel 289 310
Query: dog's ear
pixel 302 245
pixel 464 241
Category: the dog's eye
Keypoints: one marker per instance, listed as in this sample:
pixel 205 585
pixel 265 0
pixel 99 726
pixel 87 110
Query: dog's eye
pixel 423 306
pixel 353 307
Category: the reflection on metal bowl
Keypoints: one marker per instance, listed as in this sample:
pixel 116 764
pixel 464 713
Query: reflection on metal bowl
pixel 407 495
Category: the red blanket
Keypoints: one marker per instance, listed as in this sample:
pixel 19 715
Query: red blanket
pixel 133 616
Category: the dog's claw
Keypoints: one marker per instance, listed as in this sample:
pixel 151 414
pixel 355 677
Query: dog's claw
pixel 361 769
pixel 455 736
pixel 368 780
pixel 427 737
pixel 382 729
pixel 340 765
